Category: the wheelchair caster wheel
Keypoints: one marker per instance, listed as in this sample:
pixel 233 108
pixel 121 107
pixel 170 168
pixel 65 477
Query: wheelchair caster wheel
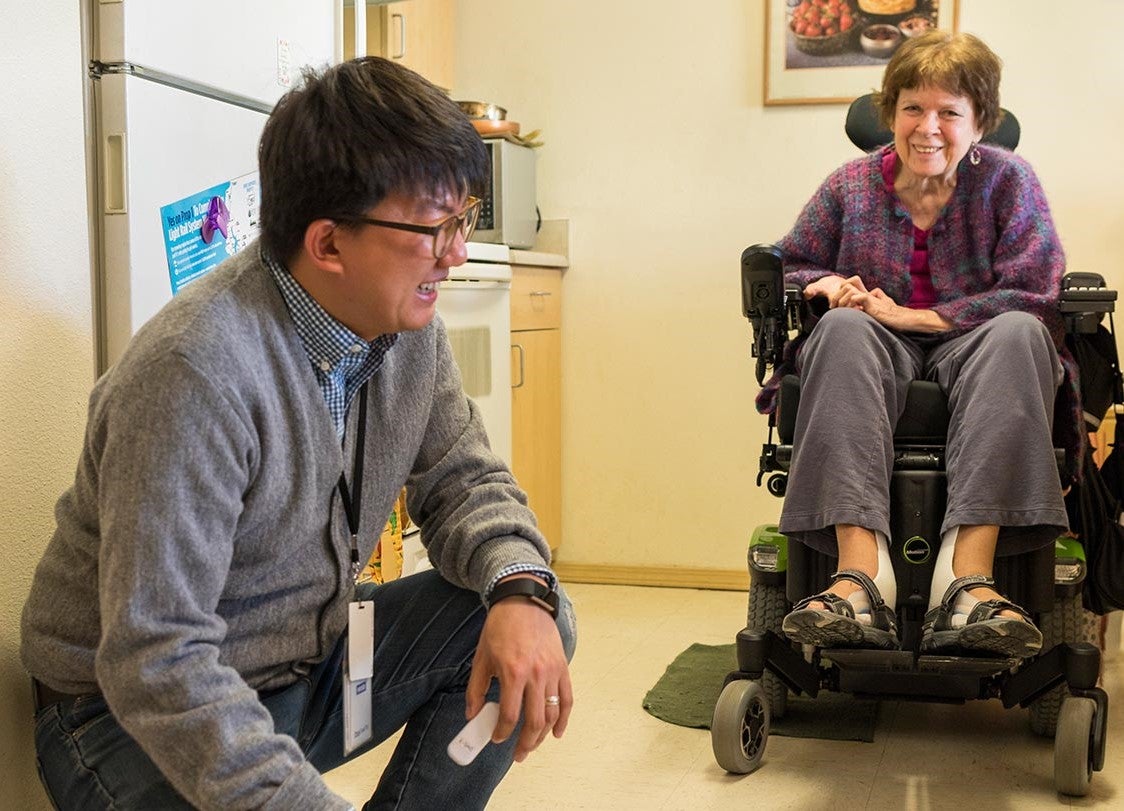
pixel 777 485
pixel 740 727
pixel 1073 746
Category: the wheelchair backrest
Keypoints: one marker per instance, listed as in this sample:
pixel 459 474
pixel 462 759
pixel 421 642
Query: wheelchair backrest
pixel 866 131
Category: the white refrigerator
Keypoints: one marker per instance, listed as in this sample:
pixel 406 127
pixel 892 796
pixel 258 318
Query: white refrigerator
pixel 177 99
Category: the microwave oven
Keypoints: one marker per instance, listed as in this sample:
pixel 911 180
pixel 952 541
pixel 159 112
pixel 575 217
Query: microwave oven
pixel 508 212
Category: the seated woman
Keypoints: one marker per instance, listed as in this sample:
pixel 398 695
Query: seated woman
pixel 935 268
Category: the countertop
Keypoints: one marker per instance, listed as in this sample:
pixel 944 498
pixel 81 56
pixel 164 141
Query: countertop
pixel 551 248
pixel 539 259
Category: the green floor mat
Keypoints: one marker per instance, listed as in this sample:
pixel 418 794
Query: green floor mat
pixel 688 690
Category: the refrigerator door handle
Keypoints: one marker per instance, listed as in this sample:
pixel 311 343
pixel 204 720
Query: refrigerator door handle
pixel 100 69
pixel 113 177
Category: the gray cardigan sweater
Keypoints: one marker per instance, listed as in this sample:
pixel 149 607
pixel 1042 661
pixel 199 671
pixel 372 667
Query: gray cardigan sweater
pixel 203 554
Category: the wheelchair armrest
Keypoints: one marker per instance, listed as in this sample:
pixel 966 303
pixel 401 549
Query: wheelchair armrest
pixel 817 306
pixel 763 303
pixel 1084 300
pixel 772 306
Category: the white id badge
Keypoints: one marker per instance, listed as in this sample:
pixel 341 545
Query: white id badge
pixel 361 639
pixel 358 667
pixel 356 712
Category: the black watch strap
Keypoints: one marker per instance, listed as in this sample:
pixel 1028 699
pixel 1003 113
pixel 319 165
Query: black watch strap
pixel 544 597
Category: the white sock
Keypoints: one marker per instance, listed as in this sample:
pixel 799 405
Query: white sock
pixel 883 581
pixel 943 577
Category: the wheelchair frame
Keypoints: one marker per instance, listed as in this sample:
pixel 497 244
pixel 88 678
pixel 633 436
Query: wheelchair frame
pixel 1062 680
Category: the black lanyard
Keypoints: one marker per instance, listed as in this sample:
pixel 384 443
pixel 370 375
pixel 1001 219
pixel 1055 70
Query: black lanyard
pixel 352 507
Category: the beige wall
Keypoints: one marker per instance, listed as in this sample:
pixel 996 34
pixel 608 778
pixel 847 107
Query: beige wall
pixel 46 344
pixel 659 151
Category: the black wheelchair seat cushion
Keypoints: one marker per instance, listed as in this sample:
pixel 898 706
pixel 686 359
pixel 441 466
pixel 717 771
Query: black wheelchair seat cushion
pixel 924 421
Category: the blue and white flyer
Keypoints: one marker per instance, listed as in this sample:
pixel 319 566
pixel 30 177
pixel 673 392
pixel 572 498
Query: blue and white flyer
pixel 208 227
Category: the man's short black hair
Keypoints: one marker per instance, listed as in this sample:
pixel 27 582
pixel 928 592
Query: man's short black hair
pixel 336 145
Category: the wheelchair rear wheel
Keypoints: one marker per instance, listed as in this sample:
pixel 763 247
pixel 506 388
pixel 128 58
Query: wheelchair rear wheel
pixel 1068 622
pixel 767 608
pixel 739 729
pixel 1073 746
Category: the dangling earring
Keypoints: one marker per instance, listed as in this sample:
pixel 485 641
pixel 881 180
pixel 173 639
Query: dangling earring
pixel 974 154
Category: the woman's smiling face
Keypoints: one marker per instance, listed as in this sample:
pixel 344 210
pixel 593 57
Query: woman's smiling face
pixel 933 131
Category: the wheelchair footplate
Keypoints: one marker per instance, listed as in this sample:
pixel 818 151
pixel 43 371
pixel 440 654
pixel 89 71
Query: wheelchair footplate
pixel 884 674
pixel 899 674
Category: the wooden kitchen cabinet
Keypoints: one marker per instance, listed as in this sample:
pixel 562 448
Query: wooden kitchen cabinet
pixel 536 392
pixel 419 34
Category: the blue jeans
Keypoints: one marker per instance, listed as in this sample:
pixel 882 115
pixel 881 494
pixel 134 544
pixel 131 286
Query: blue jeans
pixel 426 632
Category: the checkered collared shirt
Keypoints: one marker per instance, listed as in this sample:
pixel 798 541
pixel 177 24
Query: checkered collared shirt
pixel 342 360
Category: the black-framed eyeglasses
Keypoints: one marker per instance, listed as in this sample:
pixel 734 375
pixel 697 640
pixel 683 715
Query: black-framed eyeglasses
pixel 444 233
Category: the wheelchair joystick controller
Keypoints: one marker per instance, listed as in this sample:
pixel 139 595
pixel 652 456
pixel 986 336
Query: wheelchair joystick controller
pixel 763 303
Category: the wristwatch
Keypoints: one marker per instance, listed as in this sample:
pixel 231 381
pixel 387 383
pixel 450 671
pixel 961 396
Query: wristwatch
pixel 543 596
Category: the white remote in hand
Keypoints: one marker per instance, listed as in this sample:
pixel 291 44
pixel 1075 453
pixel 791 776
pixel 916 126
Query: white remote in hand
pixel 476 734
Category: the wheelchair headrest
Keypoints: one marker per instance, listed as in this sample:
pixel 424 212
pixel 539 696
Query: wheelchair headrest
pixel 865 129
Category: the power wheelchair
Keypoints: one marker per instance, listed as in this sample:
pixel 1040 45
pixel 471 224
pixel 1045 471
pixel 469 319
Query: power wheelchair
pixel 1059 685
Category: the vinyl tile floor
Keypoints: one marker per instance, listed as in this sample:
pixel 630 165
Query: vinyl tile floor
pixel 616 756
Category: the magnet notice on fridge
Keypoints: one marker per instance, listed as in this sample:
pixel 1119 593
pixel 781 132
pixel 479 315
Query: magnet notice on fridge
pixel 177 106
pixel 202 230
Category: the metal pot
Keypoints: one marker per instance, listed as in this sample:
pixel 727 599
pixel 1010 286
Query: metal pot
pixel 482 110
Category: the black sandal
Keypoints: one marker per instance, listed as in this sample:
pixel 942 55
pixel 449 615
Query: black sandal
pixel 836 625
pixel 985 629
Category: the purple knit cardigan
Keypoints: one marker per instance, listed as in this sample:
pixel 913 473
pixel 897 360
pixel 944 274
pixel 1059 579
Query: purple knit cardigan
pixel 992 249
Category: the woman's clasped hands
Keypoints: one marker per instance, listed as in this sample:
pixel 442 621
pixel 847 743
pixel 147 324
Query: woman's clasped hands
pixel 851 292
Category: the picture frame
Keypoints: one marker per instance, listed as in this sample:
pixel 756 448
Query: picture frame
pixel 839 68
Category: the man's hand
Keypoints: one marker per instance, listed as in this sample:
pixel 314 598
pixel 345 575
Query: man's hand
pixel 521 647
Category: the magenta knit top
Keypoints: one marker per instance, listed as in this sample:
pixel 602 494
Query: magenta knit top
pixel 923 296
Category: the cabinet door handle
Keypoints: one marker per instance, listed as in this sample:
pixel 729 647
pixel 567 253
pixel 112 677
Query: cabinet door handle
pixel 540 293
pixel 522 376
pixel 401 35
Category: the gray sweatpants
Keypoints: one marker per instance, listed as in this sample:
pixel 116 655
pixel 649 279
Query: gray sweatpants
pixel 1001 379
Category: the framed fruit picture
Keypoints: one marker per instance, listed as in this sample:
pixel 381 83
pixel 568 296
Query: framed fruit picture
pixel 832 51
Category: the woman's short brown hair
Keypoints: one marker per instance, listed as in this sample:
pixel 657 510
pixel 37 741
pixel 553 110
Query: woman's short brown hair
pixel 957 63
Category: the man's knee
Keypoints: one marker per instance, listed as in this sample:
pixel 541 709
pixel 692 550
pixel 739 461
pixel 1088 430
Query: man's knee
pixel 567 623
